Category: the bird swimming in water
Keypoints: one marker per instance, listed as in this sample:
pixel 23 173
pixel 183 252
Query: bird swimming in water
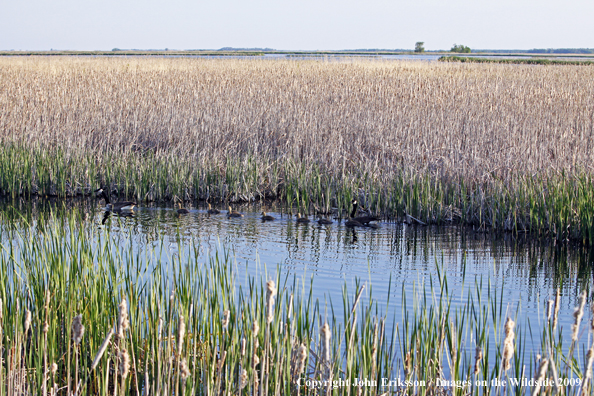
pixel 365 220
pixel 324 220
pixel 233 213
pixel 266 217
pixel 212 211
pixel 301 219
pixel 117 206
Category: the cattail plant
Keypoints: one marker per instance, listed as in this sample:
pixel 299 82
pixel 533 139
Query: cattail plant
pixel 508 344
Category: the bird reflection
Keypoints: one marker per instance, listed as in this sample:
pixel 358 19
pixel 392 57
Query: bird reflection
pixel 353 234
pixel 108 213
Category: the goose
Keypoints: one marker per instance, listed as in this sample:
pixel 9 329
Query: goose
pixel 117 206
pixel 212 211
pixel 361 219
pixel 353 223
pixel 233 213
pixel 324 220
pixel 301 219
pixel 182 210
pixel 266 217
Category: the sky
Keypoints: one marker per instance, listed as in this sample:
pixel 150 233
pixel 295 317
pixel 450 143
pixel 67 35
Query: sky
pixel 295 25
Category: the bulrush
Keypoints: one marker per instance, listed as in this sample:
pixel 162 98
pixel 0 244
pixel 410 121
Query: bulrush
pixel 124 363
pixel 225 320
pixel 325 333
pixel 508 344
pixel 181 332
pixel 77 328
pixel 557 307
pixel 255 328
pixel 478 356
pixel 243 379
pixel 270 294
pixel 578 314
pixel 123 322
pixel 27 325
pixel 540 375
pixel 184 370
pixel 301 357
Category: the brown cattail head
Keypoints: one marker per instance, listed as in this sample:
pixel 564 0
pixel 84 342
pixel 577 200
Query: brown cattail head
pixel 181 332
pixel 255 328
pixel 78 330
pixel 47 300
pixel 27 321
pixel 225 320
pixel 243 379
pixel 123 322
pixel 550 305
pixel 557 307
pixel 539 376
pixel 45 327
pixel 184 371
pixel 301 357
pixel 478 356
pixel 325 333
pixel 243 344
pixel 124 363
pixel 578 314
pixel 270 294
pixel 508 344
pixel 54 369
pixel 256 360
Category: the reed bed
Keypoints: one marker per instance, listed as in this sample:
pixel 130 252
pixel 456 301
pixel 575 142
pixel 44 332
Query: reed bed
pixel 503 147
pixel 83 313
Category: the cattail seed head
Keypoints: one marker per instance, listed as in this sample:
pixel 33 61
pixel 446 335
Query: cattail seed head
pixel 557 307
pixel 27 321
pixel 78 330
pixel 478 356
pixel 256 360
pixel 45 327
pixel 225 320
pixel 550 305
pixel 124 363
pixel 255 328
pixel 123 323
pixel 102 349
pixel 47 299
pixel 184 371
pixel 301 357
pixel 539 376
pixel 243 379
pixel 270 294
pixel 508 344
pixel 325 333
pixel 578 314
pixel 181 332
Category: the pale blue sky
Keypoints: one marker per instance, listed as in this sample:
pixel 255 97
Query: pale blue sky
pixel 306 25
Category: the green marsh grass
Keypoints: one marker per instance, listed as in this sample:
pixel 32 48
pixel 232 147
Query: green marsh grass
pixel 159 324
pixel 495 146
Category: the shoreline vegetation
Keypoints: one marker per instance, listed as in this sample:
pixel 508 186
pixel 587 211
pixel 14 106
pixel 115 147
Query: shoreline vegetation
pixel 78 316
pixel 515 61
pixel 499 147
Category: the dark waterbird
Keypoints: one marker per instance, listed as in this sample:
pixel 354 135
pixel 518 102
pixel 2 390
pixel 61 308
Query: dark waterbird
pixel 117 206
pixel 365 220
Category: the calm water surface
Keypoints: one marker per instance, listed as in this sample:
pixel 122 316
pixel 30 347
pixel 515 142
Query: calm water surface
pixel 407 256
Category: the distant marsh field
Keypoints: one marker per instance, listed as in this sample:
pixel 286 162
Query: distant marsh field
pixel 505 147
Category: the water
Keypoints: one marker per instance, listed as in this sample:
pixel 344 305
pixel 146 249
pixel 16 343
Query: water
pixel 392 259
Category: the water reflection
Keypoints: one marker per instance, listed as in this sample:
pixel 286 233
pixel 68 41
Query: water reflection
pixel 527 269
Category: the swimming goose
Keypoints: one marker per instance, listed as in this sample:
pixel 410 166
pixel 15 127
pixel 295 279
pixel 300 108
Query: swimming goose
pixel 361 219
pixel 266 217
pixel 212 211
pixel 182 210
pixel 324 220
pixel 117 206
pixel 233 213
pixel 301 219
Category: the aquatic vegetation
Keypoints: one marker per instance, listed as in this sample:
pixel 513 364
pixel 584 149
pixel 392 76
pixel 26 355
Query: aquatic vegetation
pixel 82 313
pixel 503 147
